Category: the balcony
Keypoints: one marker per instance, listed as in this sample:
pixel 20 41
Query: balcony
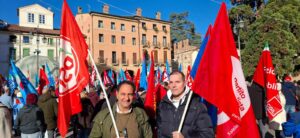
pixel 165 30
pixel 156 45
pixel 115 62
pixel 102 61
pixel 167 46
pixel 144 27
pixel 146 44
pixel 155 29
pixel 125 62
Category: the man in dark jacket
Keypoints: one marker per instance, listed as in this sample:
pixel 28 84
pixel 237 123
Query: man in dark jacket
pixel 289 92
pixel 197 123
pixel 48 105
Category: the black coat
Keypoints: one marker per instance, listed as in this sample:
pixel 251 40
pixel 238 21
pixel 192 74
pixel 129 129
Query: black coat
pixel 257 97
pixel 197 123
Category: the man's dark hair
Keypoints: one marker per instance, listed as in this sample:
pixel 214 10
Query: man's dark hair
pixel 128 83
pixel 178 72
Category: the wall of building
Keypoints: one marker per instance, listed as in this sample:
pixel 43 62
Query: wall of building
pixel 36 10
pixel 5 45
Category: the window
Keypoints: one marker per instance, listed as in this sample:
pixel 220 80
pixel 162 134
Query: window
pixel 50 41
pixel 155 27
pixel 165 56
pixel 144 26
pixel 113 39
pixel 30 18
pixel 154 40
pixel 144 39
pixel 133 41
pixel 100 24
pixel 50 54
pixel 114 57
pixel 12 53
pixel 164 28
pixel 155 56
pixel 122 27
pixel 42 19
pixel 123 40
pixel 26 52
pixel 112 26
pixel 132 28
pixel 164 41
pixel 134 60
pixel 26 39
pixel 101 56
pixel 124 58
pixel 101 38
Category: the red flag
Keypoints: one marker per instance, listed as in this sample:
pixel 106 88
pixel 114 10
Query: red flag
pixel 164 77
pixel 137 80
pixel 106 79
pixel 73 69
pixel 127 75
pixel 220 81
pixel 160 92
pixel 264 75
pixel 43 81
pixel 189 78
pixel 150 99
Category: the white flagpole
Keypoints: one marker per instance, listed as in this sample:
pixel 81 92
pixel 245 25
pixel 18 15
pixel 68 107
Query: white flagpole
pixel 185 110
pixel 105 95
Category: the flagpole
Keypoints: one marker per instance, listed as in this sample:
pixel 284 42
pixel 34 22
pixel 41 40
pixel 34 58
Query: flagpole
pixel 185 110
pixel 105 95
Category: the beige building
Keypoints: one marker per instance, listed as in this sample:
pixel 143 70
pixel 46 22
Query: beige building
pixel 33 37
pixel 185 54
pixel 119 41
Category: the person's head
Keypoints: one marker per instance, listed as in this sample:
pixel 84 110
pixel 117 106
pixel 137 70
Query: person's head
pixel 31 99
pixel 125 95
pixel 177 83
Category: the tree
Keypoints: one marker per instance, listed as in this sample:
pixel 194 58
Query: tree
pixel 277 23
pixel 182 28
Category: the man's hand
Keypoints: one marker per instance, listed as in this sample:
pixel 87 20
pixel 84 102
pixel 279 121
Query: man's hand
pixel 177 134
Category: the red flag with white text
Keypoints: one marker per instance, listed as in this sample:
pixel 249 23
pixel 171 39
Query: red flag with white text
pixel 73 69
pixel 150 99
pixel 265 76
pixel 189 78
pixel 220 81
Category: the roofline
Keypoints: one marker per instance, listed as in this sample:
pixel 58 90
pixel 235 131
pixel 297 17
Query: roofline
pixel 37 5
pixel 21 29
pixel 129 17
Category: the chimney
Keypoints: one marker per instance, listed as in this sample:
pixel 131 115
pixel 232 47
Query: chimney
pixel 138 12
pixel 105 8
pixel 157 16
pixel 79 10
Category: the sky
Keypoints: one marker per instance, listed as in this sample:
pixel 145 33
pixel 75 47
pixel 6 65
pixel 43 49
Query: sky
pixel 201 12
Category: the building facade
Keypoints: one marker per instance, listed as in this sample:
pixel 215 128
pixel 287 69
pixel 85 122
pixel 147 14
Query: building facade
pixel 120 41
pixel 184 54
pixel 34 36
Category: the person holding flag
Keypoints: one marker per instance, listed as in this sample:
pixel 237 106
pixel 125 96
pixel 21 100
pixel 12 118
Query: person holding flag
pixel 197 122
pixel 132 122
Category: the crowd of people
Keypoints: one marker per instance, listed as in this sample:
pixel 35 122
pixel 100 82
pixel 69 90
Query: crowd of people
pixel 37 116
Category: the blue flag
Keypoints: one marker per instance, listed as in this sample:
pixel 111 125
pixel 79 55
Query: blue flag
pixel 168 69
pixel 24 84
pixel 11 82
pixel 180 67
pixel 143 79
pixel 50 77
pixel 200 53
pixel 110 75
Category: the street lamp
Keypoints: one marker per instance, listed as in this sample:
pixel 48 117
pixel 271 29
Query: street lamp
pixel 236 30
pixel 37 50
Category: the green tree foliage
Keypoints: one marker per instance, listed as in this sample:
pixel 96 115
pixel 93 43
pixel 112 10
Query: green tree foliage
pixel 277 22
pixel 182 28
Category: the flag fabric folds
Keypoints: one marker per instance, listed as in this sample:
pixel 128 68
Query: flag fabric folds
pixel 73 69
pixel 150 99
pixel 265 76
pixel 220 81
pixel 43 81
pixel 23 83
pixel 143 80
pixel 50 76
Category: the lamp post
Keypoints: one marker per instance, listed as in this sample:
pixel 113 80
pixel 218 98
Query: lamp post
pixel 236 30
pixel 37 50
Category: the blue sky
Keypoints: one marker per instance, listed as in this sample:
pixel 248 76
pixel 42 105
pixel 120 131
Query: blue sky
pixel 201 12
